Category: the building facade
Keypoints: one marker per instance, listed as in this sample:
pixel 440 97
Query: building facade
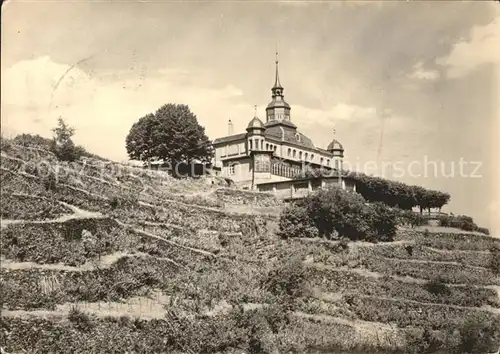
pixel 273 151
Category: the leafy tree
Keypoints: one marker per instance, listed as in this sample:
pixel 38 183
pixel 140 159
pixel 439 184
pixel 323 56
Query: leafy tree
pixel 62 145
pixel 171 134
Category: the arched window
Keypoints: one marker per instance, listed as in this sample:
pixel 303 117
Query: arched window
pixel 249 144
pixel 328 162
pixel 312 157
pixel 294 153
pixel 275 147
pixel 289 152
pixel 305 156
pixel 321 161
pixel 262 144
pixel 300 155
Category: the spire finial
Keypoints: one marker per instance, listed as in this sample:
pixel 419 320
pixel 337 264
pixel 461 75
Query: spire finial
pixel 277 79
pixel 276 52
pixel 255 110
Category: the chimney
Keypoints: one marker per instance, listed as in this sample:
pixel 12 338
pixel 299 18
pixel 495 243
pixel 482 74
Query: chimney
pixel 230 127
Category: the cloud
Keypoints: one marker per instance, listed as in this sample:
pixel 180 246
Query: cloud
pixel 102 108
pixel 483 47
pixel 309 116
pixel 297 3
pixel 420 73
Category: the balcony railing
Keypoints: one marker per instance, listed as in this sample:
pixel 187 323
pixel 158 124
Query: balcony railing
pixel 283 170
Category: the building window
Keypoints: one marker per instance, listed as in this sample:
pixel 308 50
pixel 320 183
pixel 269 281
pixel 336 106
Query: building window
pixel 256 144
pixel 300 155
pixel 262 144
pixel 297 136
pixel 289 152
pixel 294 153
pixel 249 144
pixel 321 161
pixel 231 170
pixel 328 162
pixel 312 157
pixel 262 163
pixel 305 156
pixel 275 147
pixel 267 146
pixel 337 164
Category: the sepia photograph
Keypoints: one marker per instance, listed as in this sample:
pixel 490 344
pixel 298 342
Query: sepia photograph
pixel 243 177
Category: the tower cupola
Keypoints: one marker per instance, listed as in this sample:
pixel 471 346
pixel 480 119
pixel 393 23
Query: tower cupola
pixel 278 109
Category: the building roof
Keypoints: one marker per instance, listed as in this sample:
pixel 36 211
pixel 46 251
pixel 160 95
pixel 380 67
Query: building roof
pixel 284 123
pixel 289 134
pixel 335 145
pixel 278 102
pixel 255 123
pixel 226 139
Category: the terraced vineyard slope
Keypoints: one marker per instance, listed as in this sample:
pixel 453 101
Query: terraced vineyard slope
pixel 99 257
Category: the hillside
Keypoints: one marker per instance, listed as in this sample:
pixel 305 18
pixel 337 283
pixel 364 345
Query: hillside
pixel 99 257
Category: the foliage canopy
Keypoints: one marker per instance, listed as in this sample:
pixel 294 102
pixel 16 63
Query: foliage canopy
pixel 171 134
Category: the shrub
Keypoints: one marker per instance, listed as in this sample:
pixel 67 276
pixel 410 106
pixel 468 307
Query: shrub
pixel 5 144
pixel 383 220
pixel 336 212
pixel 295 222
pixel 479 335
pixel 49 181
pixel 80 320
pixel 33 140
pixel 495 259
pixel 483 230
pixel 412 218
pixel 437 287
pixel 462 222
pixel 287 281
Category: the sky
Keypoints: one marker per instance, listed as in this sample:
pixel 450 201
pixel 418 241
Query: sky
pixel 404 84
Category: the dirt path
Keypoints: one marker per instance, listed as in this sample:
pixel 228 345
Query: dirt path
pixel 77 214
pixel 432 304
pixel 105 261
pixel 144 233
pixel 423 261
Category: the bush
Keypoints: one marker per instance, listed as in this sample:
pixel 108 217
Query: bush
pixel 335 212
pixel 412 218
pixel 462 222
pixel 479 335
pixel 483 230
pixel 295 222
pixel 33 141
pixel 80 320
pixel 287 282
pixel 49 181
pixel 437 287
pixel 383 221
pixel 495 259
